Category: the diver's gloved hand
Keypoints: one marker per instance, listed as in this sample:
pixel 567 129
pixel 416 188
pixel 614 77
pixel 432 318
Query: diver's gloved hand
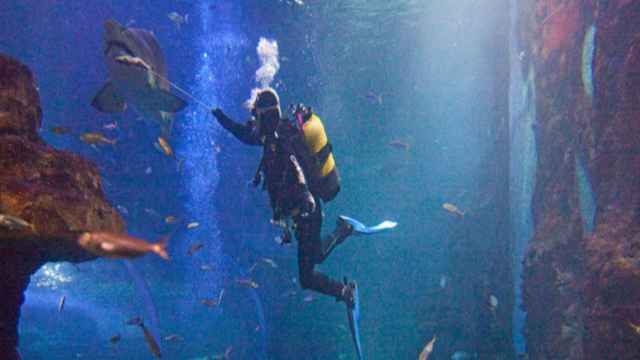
pixel 308 205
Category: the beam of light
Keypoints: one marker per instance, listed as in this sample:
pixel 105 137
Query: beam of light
pixel 219 45
pixel 523 167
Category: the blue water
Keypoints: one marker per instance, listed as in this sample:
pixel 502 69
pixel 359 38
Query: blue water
pixel 432 65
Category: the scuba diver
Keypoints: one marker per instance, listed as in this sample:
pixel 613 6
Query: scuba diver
pixel 290 190
pixel 299 173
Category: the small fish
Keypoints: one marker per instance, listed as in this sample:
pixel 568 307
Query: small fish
pixel 206 267
pixel 453 209
pixel 217 149
pixel 374 98
pixel 214 302
pixel 122 209
pixel 110 126
pixel 148 170
pixel 114 245
pixel 170 219
pixel 96 138
pixel 151 212
pixel 493 301
pixel 209 302
pixel 227 353
pixel 635 327
pixel 193 225
pixel 134 321
pixel 195 248
pixel 151 342
pixel 247 283
pixel 61 303
pixel 270 262
pixel 443 281
pixel 253 267
pixel 178 19
pixel 289 293
pixel 521 55
pixel 115 338
pixel 173 337
pixel 308 298
pixel 257 328
pixel 428 349
pixel 164 147
pixel 220 296
pixel 399 145
pixel 60 130
pixel 14 223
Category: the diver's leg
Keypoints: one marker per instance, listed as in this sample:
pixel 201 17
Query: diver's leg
pixel 309 250
pixel 337 237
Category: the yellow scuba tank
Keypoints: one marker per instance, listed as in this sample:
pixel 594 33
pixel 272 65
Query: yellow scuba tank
pixel 315 153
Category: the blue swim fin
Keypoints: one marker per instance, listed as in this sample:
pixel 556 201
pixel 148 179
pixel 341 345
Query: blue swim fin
pixel 361 229
pixel 353 313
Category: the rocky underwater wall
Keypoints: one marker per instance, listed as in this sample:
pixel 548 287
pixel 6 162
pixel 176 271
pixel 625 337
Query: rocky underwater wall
pixel 581 277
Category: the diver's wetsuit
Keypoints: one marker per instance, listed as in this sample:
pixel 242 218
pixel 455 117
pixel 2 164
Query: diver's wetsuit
pixel 288 196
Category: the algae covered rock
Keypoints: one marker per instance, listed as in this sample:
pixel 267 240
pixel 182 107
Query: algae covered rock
pixel 56 192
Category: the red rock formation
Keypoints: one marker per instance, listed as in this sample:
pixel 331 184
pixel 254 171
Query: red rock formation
pixel 553 265
pixel 581 290
pixel 56 191
pixel 613 250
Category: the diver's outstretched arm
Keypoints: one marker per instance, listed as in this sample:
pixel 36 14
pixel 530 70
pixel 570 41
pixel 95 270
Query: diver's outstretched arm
pixel 245 133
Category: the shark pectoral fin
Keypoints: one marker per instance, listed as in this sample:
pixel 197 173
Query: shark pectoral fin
pixel 108 101
pixel 163 100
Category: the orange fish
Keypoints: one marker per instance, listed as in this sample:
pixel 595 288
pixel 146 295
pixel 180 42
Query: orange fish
pixel 114 245
pixel 60 130
pixel 164 147
pixel 96 138
pixel 428 349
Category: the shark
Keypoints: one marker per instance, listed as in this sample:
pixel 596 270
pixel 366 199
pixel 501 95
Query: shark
pixel 137 76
